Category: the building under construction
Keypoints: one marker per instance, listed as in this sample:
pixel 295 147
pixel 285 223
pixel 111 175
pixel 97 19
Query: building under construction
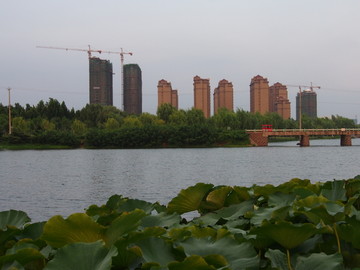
pixel 132 89
pixel 306 104
pixel 101 81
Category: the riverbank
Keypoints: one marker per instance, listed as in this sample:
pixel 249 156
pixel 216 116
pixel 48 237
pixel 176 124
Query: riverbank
pixel 33 147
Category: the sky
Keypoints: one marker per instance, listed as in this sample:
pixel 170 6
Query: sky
pixel 294 42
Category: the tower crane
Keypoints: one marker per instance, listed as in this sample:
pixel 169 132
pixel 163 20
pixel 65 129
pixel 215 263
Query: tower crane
pixel 311 87
pixel 89 51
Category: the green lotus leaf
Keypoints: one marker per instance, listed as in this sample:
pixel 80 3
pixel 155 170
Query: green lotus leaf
pixel 311 201
pixel 259 239
pixel 233 212
pixel 21 245
pixel 24 256
pixel 133 204
pixel 189 199
pixel 350 231
pixel 13 218
pixel 302 192
pixel 33 231
pixel 275 213
pixel 128 254
pixel 13 266
pixel 83 256
pixel 264 191
pixel 281 199
pixel 218 261
pixel 328 213
pixel 216 198
pixel 287 234
pixel 320 261
pixel 334 191
pixel 242 193
pixel 124 224
pixel 239 256
pixel 277 258
pixel 161 220
pixel 76 228
pixel 191 262
pixel 8 234
pixel 150 248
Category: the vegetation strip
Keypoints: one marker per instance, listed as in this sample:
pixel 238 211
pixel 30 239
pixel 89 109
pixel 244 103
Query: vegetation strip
pixel 296 225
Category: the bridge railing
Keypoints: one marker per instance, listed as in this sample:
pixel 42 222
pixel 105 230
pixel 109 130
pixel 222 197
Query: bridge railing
pixel 302 130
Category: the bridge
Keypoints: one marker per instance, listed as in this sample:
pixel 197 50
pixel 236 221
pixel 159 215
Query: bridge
pixel 260 137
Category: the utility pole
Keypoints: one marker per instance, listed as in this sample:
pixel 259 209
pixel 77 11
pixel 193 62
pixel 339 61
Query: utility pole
pixel 9 109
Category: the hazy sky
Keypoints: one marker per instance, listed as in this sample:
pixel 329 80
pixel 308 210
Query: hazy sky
pixel 288 41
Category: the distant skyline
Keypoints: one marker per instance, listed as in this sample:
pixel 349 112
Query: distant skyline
pixel 291 42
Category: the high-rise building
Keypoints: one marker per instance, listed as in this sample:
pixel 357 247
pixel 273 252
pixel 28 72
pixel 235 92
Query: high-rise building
pixel 132 89
pixel 166 94
pixel 101 81
pixel 278 100
pixel 308 104
pixel 224 96
pixel 202 95
pixel 259 95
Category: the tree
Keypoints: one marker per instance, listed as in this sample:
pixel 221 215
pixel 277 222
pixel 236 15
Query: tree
pixel 111 124
pixel 78 128
pixel 164 111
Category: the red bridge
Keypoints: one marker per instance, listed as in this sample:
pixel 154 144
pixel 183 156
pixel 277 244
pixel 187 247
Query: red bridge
pixel 260 137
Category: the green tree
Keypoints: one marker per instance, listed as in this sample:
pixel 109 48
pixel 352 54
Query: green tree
pixel 20 126
pixel 164 111
pixel 78 128
pixel 111 124
pixel 132 121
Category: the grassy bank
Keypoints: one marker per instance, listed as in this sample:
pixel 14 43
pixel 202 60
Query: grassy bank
pixel 32 147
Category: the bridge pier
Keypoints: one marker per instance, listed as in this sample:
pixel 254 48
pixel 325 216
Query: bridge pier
pixel 345 140
pixel 258 139
pixel 304 140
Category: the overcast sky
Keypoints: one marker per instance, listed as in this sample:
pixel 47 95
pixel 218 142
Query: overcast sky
pixel 294 42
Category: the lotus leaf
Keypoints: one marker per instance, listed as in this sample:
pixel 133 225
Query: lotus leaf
pixel 125 223
pixel 239 256
pixel 14 266
pixel 162 220
pixel 191 262
pixel 33 231
pixel 189 199
pixel 150 248
pixel 23 256
pixel 216 198
pixel 281 199
pixel 287 234
pixel 350 231
pixel 328 213
pixel 83 256
pixel 277 258
pixel 242 193
pixel 233 212
pixel 76 228
pixel 320 261
pixel 334 191
pixel 13 218
pixel 275 213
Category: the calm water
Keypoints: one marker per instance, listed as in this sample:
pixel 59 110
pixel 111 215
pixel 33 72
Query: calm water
pixel 49 182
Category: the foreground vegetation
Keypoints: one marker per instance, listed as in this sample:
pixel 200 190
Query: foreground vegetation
pixel 97 126
pixel 296 225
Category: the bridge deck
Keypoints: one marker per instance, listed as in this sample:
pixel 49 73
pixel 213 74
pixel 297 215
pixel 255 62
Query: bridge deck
pixel 260 137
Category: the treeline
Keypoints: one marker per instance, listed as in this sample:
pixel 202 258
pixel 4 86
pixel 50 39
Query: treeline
pixel 95 125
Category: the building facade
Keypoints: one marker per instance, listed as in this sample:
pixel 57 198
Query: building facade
pixel 101 81
pixel 306 104
pixel 279 101
pixel 224 96
pixel 259 95
pixel 132 98
pixel 166 94
pixel 202 95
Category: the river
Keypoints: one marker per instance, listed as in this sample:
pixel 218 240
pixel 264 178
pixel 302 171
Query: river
pixel 44 183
